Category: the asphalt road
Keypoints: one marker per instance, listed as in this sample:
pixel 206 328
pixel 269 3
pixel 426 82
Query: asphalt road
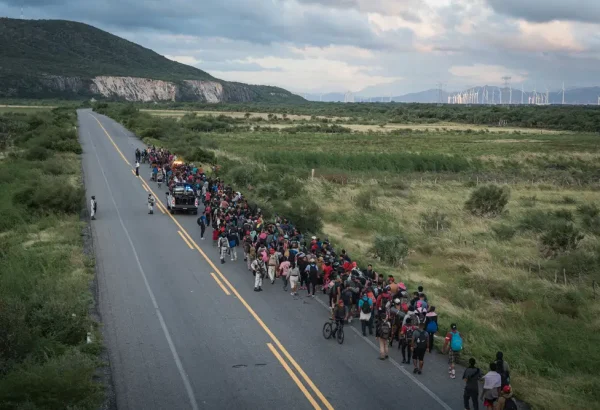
pixel 184 331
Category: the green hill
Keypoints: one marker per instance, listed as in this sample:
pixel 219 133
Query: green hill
pixel 50 58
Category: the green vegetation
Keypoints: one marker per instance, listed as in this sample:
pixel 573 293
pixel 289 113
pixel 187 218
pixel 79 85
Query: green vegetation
pixel 570 118
pixel 397 200
pixel 45 359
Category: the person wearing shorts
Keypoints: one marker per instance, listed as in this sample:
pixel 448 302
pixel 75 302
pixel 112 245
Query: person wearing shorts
pixel 420 344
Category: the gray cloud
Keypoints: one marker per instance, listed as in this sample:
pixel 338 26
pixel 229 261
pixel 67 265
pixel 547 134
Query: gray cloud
pixel 255 21
pixel 224 34
pixel 541 11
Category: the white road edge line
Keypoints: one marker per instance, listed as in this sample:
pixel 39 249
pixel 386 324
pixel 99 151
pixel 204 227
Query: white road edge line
pixel 395 363
pixel 184 377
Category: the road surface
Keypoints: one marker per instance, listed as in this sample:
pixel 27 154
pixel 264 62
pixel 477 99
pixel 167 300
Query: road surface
pixel 185 332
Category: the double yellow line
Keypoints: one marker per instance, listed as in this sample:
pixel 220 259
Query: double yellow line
pixel 223 280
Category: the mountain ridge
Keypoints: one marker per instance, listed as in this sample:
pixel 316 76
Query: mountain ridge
pixel 68 59
pixel 573 96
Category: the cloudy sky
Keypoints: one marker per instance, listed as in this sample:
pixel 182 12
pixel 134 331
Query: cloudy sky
pixel 370 47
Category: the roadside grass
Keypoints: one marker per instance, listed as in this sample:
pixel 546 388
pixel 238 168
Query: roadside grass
pixel 45 359
pixel 486 274
pixel 493 289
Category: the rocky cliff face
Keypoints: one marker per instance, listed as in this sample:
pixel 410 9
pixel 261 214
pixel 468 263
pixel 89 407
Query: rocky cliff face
pixel 125 88
pixel 145 89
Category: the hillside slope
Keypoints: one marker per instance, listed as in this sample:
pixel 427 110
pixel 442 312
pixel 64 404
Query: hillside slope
pixel 58 58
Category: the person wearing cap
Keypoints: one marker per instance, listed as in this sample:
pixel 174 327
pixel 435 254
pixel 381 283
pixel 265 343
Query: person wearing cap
pixel 506 400
pixel 453 344
pixel 396 317
pixel 93 207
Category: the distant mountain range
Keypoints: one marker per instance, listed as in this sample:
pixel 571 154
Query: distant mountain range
pixel 474 95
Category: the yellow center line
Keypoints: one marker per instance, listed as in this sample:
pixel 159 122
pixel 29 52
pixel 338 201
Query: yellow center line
pixel 234 291
pixel 145 189
pixel 133 172
pixel 111 140
pixel 219 283
pixel 294 377
pixel 184 239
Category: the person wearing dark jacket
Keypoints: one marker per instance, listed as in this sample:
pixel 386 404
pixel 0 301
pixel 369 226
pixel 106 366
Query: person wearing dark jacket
pixel 471 377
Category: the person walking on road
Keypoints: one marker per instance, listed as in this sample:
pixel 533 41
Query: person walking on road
pixel 223 246
pixel 365 306
pixel 431 325
pixel 384 331
pixel 506 400
pixel 258 270
pixel 503 369
pixel 453 345
pixel 284 272
pixel 491 387
pixel 93 207
pixel 471 377
pixel 294 276
pixel 406 335
pixel 420 344
pixel 232 239
pixel 273 265
pixel 151 202
pixel 202 224
pixel 137 168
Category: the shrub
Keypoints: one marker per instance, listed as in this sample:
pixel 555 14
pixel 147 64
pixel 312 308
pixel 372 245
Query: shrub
pixel 529 201
pixel 391 249
pixel 38 154
pixel 68 146
pixel 563 214
pixel 568 200
pixel 561 237
pixel 589 210
pixel 488 201
pixel 243 175
pixel 434 221
pixel 202 156
pixel 366 199
pixel 303 213
pixel 50 195
pixel 504 232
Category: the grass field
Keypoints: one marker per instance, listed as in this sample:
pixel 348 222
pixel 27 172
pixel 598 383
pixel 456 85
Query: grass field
pixel 46 361
pixel 381 195
pixel 384 127
pixel 24 108
pixel 233 114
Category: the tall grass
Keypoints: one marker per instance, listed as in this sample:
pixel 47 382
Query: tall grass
pixel 45 362
pixel 395 162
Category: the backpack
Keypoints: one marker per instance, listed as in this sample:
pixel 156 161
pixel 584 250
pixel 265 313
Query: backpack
pixel 432 327
pixel 456 342
pixel 366 308
pixel 421 341
pixel 384 301
pixel 409 332
pixel 510 404
pixel 386 330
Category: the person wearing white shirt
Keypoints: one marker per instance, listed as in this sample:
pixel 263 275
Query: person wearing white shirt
pixel 491 387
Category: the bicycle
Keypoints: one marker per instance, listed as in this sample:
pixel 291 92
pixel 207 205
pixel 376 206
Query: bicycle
pixel 337 332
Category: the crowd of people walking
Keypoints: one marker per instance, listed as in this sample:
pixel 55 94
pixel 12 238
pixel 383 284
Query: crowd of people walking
pixel 275 250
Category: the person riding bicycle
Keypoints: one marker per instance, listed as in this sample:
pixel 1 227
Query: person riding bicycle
pixel 339 315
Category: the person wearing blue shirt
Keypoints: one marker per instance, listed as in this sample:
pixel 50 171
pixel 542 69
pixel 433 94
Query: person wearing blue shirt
pixel 365 307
